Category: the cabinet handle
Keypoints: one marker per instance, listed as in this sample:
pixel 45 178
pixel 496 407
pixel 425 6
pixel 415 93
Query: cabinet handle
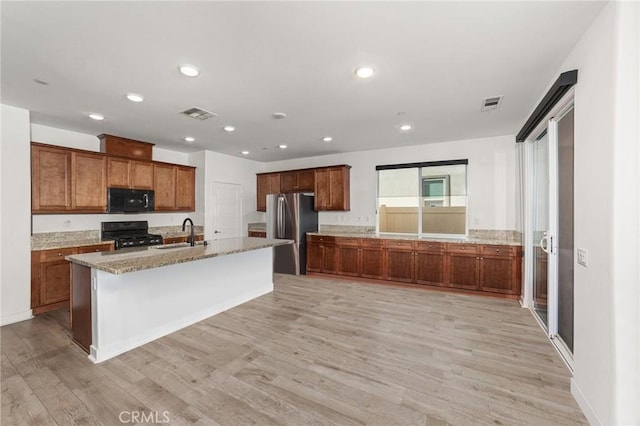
pixel 59 254
pixel 478 258
pixel 462 248
pixel 497 250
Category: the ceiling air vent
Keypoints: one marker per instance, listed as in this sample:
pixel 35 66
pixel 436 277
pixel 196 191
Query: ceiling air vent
pixel 198 113
pixel 491 103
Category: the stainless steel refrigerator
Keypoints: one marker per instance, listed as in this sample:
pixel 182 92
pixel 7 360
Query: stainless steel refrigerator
pixel 290 217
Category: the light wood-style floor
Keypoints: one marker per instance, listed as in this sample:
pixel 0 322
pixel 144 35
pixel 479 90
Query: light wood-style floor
pixel 315 351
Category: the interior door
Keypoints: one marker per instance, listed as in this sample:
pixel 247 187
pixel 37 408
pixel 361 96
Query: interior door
pixel 227 211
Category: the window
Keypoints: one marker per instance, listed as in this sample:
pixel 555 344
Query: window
pixel 423 198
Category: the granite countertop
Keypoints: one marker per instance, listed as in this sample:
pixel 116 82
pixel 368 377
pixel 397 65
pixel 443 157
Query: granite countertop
pixel 137 259
pixel 418 238
pixel 58 240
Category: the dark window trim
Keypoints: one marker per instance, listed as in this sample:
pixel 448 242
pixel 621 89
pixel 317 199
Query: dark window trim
pixel 423 164
pixel 561 86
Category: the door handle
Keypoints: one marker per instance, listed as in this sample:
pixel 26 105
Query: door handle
pixel 546 243
pixel 145 197
pixel 217 232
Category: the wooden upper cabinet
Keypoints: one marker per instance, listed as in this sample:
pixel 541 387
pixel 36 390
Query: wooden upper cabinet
pixel 123 173
pixel 118 172
pixel 266 183
pixel 332 188
pixel 141 175
pixel 164 185
pixel 297 181
pixel 50 179
pixel 185 188
pixel 116 145
pixel 88 187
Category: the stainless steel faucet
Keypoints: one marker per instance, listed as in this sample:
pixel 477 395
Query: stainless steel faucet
pixel 192 238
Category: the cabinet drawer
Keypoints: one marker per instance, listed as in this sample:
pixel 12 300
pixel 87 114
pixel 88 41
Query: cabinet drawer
pixel 57 254
pixel 408 245
pixel 351 242
pixel 430 246
pixel 321 239
pixel 462 248
pixel 173 240
pixel 257 234
pixel 372 243
pixel 95 248
pixel 499 250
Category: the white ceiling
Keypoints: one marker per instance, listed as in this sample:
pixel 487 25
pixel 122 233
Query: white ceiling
pixel 434 62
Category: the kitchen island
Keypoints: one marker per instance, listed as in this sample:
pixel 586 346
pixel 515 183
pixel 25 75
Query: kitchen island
pixel 123 299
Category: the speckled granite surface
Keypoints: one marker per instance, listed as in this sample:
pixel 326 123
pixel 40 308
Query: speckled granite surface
pixel 417 238
pixel 56 240
pixel 138 259
pixel 257 226
pixel 348 229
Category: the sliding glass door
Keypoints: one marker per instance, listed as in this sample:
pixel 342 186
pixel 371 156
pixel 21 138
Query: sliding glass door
pixel 550 241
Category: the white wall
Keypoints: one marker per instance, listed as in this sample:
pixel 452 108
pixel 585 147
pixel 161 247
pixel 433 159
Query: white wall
pixel 490 174
pixel 227 169
pixel 606 380
pixel 15 185
pixel 79 222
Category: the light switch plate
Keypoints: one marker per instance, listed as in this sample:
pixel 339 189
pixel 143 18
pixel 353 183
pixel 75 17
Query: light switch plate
pixel 582 257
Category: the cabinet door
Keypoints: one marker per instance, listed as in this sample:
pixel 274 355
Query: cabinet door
pixel 329 258
pixel 463 271
pixel 288 182
pixel 332 189
pixel 372 262
pixel 51 179
pixel 164 186
pixel 262 182
pixel 429 268
pixel 348 259
pixel 89 186
pixel 118 172
pixel 305 180
pixel 273 183
pixel 141 175
pixel 314 257
pixel 322 199
pixel 54 274
pixel 497 274
pixel 399 264
pixel 185 188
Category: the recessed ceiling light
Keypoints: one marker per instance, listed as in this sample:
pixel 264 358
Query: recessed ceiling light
pixel 364 72
pixel 37 80
pixel 279 115
pixel 327 139
pixel 229 128
pixel 282 146
pixel 245 152
pixel 189 139
pixel 96 116
pixel 135 97
pixel 189 70
pixel 406 127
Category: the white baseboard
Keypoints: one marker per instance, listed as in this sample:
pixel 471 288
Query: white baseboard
pixel 16 317
pixel 584 405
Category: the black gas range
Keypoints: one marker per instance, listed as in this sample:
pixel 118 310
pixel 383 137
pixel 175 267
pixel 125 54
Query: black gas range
pixel 129 234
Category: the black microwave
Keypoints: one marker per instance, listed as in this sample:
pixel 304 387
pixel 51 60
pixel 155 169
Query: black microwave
pixel 122 200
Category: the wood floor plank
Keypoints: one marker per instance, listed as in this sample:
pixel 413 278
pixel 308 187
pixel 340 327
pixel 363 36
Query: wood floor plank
pixel 315 351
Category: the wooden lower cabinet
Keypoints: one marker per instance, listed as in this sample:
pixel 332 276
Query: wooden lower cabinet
pixel 51 276
pixel 430 263
pixel 322 255
pixel 258 234
pixel 475 267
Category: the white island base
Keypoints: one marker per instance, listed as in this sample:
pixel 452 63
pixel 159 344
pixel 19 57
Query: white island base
pixel 131 309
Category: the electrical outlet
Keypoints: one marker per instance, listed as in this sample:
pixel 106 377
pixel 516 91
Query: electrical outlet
pixel 582 257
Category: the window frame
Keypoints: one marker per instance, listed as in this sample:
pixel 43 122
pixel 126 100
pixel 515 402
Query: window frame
pixel 422 198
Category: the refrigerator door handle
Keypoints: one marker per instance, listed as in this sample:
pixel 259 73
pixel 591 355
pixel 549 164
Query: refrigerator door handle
pixel 280 217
